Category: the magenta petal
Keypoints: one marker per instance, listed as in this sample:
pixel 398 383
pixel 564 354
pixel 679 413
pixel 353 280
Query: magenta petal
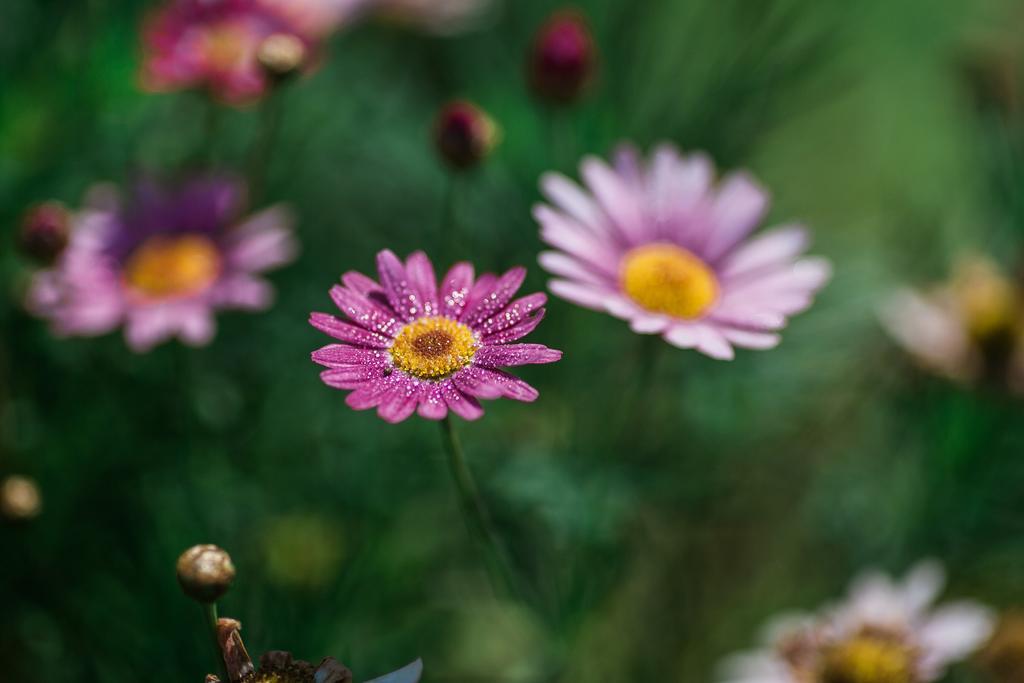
pixel 334 355
pixel 466 407
pixel 360 283
pixel 455 288
pixel 432 405
pixel 481 289
pixel 397 287
pixel 347 333
pixel 364 312
pixel 421 275
pixel 372 392
pixel 349 377
pixel 513 314
pixel 400 400
pixel 489 383
pixel 515 332
pixel 504 289
pixel 508 355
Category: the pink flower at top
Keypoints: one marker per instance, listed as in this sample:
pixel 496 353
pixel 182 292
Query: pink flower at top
pixel 214 44
pixel 658 244
pixel 161 263
pixel 413 344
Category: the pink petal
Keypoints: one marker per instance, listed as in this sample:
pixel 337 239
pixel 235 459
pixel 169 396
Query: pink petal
pixel 504 289
pixel 424 282
pixel 349 377
pixel 749 339
pixel 513 314
pixel 509 355
pixel 515 332
pixel 569 198
pixel 365 313
pixel 563 265
pixel 683 335
pixel 400 401
pixel 360 283
pixel 147 327
pixel 711 342
pixel 196 326
pixel 737 209
pixel 347 333
pixel 242 291
pixel 432 405
pixel 397 286
pixel 455 288
pixel 466 407
pixel 616 199
pixel 489 383
pixel 336 355
pixel 264 241
pixel 582 295
pixel 771 249
pixel 562 232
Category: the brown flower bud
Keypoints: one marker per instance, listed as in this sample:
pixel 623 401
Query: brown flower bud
pixel 464 134
pixel 282 55
pixel 205 572
pixel 44 231
pixel 563 58
pixel 20 498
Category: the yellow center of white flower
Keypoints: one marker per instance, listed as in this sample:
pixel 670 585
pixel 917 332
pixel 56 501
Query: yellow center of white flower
pixel 164 267
pixel 432 348
pixel 987 299
pixel 869 658
pixel 665 278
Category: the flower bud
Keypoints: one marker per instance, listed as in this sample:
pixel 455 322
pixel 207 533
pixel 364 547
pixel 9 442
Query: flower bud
pixel 19 498
pixel 562 59
pixel 464 134
pixel 282 55
pixel 205 572
pixel 44 231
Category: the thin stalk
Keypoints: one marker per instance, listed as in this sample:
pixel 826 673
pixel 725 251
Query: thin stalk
pixel 499 569
pixel 271 114
pixel 448 229
pixel 210 616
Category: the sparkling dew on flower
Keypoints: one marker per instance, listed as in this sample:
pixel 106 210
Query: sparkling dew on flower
pixel 161 262
pixel 659 244
pixel 886 632
pixel 413 344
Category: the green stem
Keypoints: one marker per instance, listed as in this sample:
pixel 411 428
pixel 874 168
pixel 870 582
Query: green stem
pixel 448 229
pixel 499 569
pixel 271 113
pixel 210 614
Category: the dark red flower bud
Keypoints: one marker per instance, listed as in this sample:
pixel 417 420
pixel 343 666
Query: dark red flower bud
pixel 44 231
pixel 464 134
pixel 563 57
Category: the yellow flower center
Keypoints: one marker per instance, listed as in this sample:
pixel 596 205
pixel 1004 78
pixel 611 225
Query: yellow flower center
pixel 432 348
pixel 227 44
pixel 987 299
pixel 869 658
pixel 164 267
pixel 668 279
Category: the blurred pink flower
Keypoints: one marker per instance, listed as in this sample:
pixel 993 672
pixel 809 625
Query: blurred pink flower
pixel 214 44
pixel 413 345
pixel 162 263
pixel 434 16
pixel 885 632
pixel 659 245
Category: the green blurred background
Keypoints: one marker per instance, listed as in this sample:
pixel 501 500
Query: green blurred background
pixel 660 527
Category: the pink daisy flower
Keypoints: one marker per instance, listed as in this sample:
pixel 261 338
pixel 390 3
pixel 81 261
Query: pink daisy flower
pixel 413 344
pixel 162 263
pixel 215 44
pixel 659 245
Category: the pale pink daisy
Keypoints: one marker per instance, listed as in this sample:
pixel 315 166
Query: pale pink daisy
pixel 659 244
pixel 886 631
pixel 162 262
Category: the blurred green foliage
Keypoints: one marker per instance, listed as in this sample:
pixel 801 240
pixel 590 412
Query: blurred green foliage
pixel 659 523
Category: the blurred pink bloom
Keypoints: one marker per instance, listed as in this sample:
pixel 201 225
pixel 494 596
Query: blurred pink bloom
pixel 411 344
pixel 214 44
pixel 434 16
pixel 659 245
pixel 885 632
pixel 162 263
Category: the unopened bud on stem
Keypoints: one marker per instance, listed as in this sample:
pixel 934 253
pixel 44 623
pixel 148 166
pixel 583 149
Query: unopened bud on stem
pixel 205 573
